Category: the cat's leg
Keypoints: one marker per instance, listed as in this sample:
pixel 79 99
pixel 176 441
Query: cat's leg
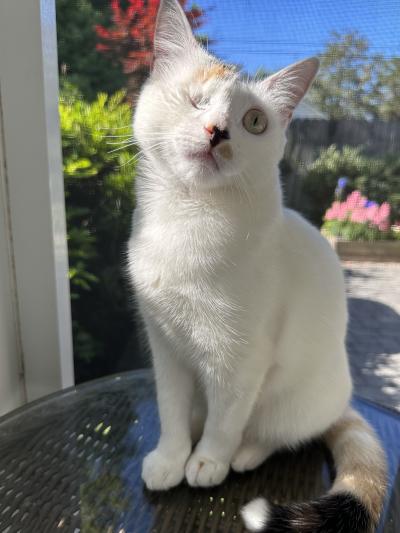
pixel 257 444
pixel 251 454
pixel 229 409
pixel 164 467
pixel 199 415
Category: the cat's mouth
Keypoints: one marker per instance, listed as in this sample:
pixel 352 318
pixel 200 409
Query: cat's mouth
pixel 204 156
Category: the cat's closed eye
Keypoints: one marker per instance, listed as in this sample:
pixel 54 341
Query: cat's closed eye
pixel 199 101
pixel 255 121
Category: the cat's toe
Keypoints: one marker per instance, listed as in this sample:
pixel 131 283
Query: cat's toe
pixel 160 472
pixel 248 457
pixel 205 472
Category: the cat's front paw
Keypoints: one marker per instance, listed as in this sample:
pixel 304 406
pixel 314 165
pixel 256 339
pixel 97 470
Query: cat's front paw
pixel 162 472
pixel 205 472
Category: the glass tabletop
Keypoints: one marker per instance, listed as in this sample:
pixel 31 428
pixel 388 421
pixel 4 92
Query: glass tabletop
pixel 72 463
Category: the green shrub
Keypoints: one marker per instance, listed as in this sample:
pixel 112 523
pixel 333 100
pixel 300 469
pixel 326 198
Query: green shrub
pixel 99 203
pixel 378 179
pixel 355 231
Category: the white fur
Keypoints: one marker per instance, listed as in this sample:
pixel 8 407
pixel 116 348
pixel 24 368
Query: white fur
pixel 255 514
pixel 243 300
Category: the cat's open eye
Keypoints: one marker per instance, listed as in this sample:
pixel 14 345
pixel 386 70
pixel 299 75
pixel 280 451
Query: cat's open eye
pixel 255 121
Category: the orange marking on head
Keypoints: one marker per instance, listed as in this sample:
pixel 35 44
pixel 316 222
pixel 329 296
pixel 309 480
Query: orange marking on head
pixel 217 70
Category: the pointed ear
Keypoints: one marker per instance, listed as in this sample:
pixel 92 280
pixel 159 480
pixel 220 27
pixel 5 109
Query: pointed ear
pixel 173 36
pixel 289 85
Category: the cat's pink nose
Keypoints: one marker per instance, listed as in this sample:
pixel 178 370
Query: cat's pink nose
pixel 209 128
pixel 216 135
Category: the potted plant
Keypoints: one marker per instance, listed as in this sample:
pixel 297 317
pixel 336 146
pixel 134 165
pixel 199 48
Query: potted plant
pixel 360 230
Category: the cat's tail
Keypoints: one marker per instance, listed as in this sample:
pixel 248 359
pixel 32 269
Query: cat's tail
pixel 354 502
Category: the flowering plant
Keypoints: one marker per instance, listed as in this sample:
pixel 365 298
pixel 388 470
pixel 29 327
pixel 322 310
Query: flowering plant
pixel 358 218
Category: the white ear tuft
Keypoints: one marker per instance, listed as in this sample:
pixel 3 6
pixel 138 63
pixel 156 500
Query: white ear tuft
pixel 289 85
pixel 173 36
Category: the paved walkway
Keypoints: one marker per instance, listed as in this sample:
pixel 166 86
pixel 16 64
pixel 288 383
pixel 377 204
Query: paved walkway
pixel 374 331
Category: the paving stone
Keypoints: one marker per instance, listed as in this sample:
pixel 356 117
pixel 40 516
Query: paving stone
pixel 373 339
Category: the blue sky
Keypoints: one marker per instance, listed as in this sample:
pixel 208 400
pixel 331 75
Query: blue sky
pixel 274 33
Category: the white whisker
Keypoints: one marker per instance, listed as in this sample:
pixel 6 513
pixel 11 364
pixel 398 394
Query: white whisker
pixel 111 128
pixel 121 147
pixel 118 136
pixel 127 141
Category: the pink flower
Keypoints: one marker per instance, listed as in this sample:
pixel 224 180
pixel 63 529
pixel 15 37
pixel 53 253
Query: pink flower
pixel 359 209
pixel 330 215
pixel 353 200
pixel 360 214
pixel 333 211
pixel 381 216
pixel 384 226
pixel 372 211
pixel 384 210
pixel 342 212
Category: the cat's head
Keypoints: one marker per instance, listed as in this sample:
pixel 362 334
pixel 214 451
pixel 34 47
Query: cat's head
pixel 199 123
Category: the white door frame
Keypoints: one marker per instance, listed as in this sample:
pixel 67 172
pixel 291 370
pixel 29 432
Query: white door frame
pixel 35 192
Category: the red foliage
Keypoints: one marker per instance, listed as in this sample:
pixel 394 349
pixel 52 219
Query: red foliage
pixel 130 39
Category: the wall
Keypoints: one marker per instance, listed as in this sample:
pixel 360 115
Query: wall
pixel 35 192
pixel 11 376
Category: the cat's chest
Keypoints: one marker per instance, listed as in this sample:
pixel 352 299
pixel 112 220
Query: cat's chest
pixel 181 273
pixel 190 278
pixel 180 254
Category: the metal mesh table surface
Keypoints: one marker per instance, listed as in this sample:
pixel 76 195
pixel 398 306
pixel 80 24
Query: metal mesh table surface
pixel 72 463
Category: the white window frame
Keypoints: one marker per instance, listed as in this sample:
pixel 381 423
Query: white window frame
pixel 32 171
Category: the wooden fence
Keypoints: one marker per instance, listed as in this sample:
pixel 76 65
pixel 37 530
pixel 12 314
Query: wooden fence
pixel 306 138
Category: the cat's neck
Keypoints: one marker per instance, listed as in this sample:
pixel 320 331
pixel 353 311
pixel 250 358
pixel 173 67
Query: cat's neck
pixel 259 198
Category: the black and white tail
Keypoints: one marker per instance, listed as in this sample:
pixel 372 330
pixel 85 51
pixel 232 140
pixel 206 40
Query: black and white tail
pixel 354 503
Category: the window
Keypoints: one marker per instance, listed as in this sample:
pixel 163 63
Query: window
pixel 35 315
pixel 344 137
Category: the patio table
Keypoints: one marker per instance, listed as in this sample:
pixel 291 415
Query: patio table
pixel 72 461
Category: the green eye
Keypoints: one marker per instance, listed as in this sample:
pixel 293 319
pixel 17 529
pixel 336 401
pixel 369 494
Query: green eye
pixel 255 121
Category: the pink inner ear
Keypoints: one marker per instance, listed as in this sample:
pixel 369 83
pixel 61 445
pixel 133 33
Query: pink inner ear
pixel 289 85
pixel 173 35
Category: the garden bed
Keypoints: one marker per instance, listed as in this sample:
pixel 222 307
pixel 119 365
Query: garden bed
pixel 360 229
pixel 379 251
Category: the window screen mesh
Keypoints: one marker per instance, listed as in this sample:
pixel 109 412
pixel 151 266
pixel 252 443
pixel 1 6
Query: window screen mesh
pixel 345 138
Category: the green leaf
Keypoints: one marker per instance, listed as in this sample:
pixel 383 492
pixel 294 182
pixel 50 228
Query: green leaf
pixel 99 202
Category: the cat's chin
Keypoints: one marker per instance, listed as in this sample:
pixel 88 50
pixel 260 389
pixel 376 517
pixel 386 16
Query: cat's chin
pixel 203 171
pixel 205 159
pixel 204 177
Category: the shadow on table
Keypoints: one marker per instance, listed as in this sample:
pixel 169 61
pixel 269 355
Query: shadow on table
pixel 373 343
pixel 285 477
pixel 354 273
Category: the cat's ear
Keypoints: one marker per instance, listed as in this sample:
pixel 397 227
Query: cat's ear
pixel 288 86
pixel 173 38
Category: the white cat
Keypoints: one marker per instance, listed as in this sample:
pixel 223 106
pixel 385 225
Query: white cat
pixel 243 300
